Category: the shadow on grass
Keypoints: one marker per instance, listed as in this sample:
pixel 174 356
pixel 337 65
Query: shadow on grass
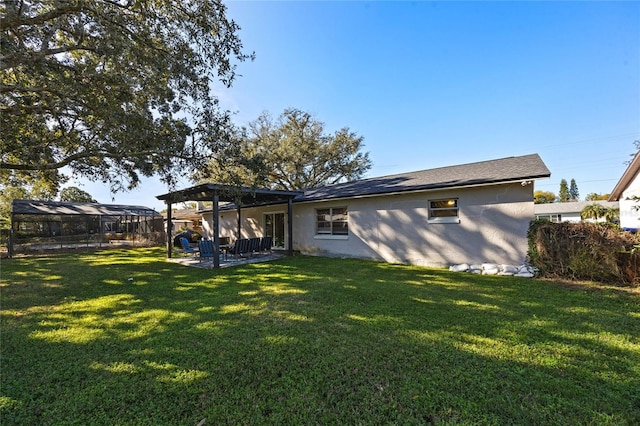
pixel 124 337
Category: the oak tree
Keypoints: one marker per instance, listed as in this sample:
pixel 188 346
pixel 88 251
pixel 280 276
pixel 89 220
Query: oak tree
pixel 113 89
pixel 76 195
pixel 291 152
pixel 7 195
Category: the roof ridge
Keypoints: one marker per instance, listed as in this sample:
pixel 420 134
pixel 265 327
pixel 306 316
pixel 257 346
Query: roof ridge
pixel 423 170
pixel 495 171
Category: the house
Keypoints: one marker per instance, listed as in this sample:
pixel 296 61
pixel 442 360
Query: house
pixel 183 219
pixel 626 192
pixel 478 212
pixel 569 211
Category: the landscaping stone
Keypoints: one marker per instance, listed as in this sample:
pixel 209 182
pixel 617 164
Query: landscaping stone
pixel 496 269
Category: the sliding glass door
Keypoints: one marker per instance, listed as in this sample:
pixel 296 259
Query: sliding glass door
pixel 274 227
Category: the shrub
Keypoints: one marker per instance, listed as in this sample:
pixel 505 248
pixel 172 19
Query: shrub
pixel 589 251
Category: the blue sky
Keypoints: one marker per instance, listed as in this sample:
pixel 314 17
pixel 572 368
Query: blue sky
pixel 431 84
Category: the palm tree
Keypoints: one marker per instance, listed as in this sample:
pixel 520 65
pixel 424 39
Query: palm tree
pixel 611 214
pixel 593 211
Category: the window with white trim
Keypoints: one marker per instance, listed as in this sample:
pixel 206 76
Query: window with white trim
pixel 332 221
pixel 550 217
pixel 445 210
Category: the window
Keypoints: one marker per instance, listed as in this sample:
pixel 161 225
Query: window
pixel 550 217
pixel 444 211
pixel 332 221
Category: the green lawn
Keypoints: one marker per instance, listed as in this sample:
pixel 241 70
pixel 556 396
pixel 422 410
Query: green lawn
pixel 125 338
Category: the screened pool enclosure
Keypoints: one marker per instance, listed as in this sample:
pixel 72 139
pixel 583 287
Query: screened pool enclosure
pixel 46 225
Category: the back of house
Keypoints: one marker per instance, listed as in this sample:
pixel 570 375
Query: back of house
pixel 473 213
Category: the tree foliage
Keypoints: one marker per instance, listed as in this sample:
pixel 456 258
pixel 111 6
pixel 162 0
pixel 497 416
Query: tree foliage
pixel 111 89
pixel 544 197
pixel 563 194
pixel 7 195
pixel 36 191
pixel 637 152
pixel 593 211
pixel 597 211
pixel 291 152
pixel 75 194
pixel 574 194
pixel 592 196
pixel 612 215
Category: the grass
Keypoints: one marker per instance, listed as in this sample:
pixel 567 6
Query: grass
pixel 125 338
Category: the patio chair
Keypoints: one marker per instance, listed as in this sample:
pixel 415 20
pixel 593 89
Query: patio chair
pixel 206 249
pixel 265 244
pixel 240 247
pixel 254 245
pixel 186 247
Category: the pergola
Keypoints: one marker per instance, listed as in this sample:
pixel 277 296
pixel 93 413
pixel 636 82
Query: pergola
pixel 241 197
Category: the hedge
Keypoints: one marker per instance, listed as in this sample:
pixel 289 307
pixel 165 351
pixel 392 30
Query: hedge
pixel 585 251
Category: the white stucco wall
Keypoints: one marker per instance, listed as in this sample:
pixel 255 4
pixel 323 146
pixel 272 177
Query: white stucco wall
pixel 571 217
pixel 577 217
pixel 629 208
pixel 492 227
pixel 251 222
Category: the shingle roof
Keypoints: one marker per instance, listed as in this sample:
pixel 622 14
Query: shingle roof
pixel 247 196
pixel 187 214
pixel 510 169
pixel 68 208
pixel 571 207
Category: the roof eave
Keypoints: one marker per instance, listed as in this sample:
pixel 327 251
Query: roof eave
pixel 41 207
pixel 428 188
pixel 628 175
pixel 248 196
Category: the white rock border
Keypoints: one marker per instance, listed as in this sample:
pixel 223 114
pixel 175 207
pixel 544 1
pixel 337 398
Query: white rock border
pixel 525 271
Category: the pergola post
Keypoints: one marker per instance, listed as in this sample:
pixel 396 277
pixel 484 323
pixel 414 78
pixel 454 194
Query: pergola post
pixel 216 231
pixel 239 216
pixel 290 227
pixel 168 227
pixel 11 235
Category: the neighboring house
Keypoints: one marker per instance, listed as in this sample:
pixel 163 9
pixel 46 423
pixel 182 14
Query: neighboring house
pixel 626 192
pixel 184 219
pixel 569 211
pixel 477 212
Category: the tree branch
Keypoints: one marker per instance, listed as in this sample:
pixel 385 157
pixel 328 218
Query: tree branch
pixel 15 21
pixel 87 154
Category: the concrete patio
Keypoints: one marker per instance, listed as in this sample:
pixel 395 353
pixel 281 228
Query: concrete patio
pixel 230 260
